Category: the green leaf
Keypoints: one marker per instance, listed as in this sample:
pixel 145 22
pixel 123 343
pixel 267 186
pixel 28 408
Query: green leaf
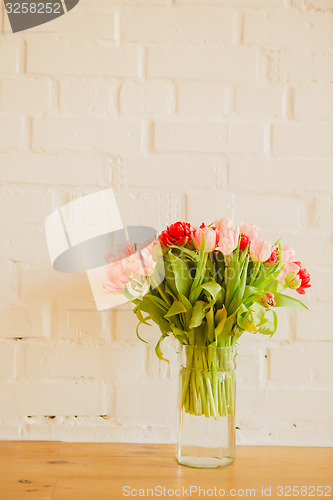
pixel 198 314
pixel 185 301
pixel 180 335
pixel 212 287
pixel 286 301
pixel 245 319
pixel 210 266
pixel 200 265
pixel 257 313
pixel 147 304
pixel 169 276
pixel 240 291
pixel 232 277
pixel 137 329
pixel 220 319
pixel 268 276
pixel 227 329
pixel 273 286
pixel 155 313
pixel 244 322
pixel 158 348
pixel 142 320
pixel 158 301
pixel 249 290
pixel 188 314
pixel 210 325
pixel 158 274
pixel 183 279
pixel 220 298
pixel 176 308
pixel 199 337
pixel 169 292
pixel 219 266
pixel 209 304
pixel 269 327
pixel 191 254
pixel 139 315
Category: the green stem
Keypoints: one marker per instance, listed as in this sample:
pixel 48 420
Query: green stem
pixel 224 399
pixel 256 268
pixel 232 393
pixel 199 274
pixel 187 374
pixel 202 393
pixel 161 292
pixel 207 383
pixel 210 395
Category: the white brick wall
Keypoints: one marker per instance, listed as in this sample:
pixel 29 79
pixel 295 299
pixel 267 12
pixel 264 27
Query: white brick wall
pixel 62 58
pixel 288 28
pixel 31 96
pixel 11 131
pixel 201 63
pixel 202 99
pixel 149 97
pixel 176 25
pixel 190 136
pixel 11 54
pixel 73 133
pixel 303 139
pixel 189 109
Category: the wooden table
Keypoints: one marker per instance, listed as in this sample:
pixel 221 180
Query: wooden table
pixel 40 470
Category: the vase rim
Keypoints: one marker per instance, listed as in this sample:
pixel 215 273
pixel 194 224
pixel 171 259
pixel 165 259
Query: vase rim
pixel 205 347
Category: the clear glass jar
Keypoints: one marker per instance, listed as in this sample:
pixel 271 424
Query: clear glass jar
pixel 206 398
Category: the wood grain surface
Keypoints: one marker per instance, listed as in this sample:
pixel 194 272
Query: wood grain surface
pixel 40 470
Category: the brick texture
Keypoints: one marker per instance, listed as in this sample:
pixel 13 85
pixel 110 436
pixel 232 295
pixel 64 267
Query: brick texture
pixel 189 110
pixel 179 25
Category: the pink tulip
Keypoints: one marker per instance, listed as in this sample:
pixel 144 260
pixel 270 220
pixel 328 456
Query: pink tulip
pixel 250 230
pixel 226 222
pixel 117 276
pixel 141 263
pixel 260 250
pixel 122 250
pixel 211 238
pixel 288 254
pixel 288 258
pixel 228 240
pixel 289 267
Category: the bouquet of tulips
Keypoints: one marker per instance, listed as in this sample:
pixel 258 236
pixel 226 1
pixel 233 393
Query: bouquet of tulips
pixel 205 286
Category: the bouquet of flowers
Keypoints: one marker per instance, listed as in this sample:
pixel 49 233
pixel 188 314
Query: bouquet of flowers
pixel 206 286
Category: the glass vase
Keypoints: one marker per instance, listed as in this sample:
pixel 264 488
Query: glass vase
pixel 206 406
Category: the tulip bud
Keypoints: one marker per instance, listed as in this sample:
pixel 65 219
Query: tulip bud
pixel 292 281
pixel 267 300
